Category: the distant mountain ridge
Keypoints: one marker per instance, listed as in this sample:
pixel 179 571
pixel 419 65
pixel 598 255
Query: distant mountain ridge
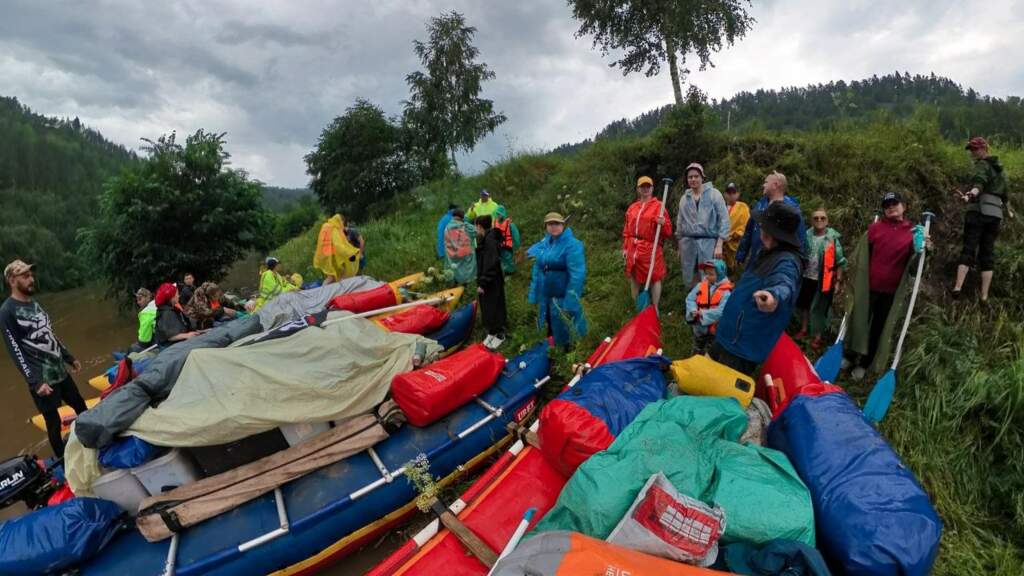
pixel 960 112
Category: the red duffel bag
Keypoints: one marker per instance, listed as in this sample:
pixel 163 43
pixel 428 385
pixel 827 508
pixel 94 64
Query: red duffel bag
pixel 420 319
pixel 365 300
pixel 432 392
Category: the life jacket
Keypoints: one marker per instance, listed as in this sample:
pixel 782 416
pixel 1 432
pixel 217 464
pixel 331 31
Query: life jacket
pixel 505 228
pixel 828 267
pixel 706 300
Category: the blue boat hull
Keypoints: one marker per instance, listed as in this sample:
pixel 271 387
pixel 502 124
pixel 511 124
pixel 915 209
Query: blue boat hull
pixel 319 507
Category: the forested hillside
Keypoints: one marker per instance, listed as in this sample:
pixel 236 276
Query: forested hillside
pixel 51 173
pixel 820 106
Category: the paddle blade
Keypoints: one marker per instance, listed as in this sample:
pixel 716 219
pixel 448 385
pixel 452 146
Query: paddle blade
pixel 831 361
pixel 880 397
pixel 643 300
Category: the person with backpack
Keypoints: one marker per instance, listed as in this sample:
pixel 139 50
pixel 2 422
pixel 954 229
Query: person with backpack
pixel 706 301
pixel 490 282
pixel 985 202
pixel 442 224
pixel 459 248
pixel 556 286
pixel 761 304
pixel 509 239
pixel 823 275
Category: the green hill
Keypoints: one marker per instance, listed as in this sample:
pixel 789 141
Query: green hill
pixel 51 173
pixel 958 416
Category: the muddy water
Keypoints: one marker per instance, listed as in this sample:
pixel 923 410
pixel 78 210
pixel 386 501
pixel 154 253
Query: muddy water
pixel 91 327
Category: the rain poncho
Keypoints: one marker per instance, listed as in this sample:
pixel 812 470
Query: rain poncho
pixel 460 250
pixel 559 273
pixel 442 224
pixel 482 207
pixel 272 285
pixel 335 255
pixel 739 214
pixel 699 226
pixel 638 240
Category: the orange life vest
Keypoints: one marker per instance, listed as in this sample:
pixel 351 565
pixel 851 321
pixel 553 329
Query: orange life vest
pixel 706 300
pixel 505 227
pixel 828 266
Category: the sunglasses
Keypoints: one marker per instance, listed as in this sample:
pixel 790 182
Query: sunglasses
pixel 819 218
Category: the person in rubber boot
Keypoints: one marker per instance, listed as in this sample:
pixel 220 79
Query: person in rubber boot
pixel 556 286
pixel 642 218
pixel 762 303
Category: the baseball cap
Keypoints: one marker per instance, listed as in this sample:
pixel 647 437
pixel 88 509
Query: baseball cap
pixel 484 193
pixel 554 217
pixel 891 198
pixel 731 186
pixel 17 268
pixel 271 261
pixel 976 143
pixel 644 181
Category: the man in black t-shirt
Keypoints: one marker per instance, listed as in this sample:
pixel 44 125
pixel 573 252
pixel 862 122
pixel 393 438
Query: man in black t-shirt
pixel 41 358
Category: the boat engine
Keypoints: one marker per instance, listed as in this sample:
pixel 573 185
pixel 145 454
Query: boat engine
pixel 25 479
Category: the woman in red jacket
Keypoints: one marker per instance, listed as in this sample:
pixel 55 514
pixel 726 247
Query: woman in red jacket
pixel 642 219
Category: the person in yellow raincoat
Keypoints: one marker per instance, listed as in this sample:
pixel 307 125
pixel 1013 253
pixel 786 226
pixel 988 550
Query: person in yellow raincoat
pixel 335 256
pixel 272 284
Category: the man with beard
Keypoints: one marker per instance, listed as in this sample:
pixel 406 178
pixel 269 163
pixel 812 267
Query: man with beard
pixel 36 351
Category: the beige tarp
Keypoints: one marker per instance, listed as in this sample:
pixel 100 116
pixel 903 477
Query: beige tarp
pixel 222 395
pixel 189 505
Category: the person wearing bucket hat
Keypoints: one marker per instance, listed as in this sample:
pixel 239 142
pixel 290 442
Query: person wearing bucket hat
pixel 773 190
pixel 485 206
pixel 37 353
pixel 761 304
pixel 739 215
pixel 702 223
pixel 985 200
pixel 556 286
pixel 641 223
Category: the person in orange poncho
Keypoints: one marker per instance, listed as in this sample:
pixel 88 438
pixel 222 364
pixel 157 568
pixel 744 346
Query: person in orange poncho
pixel 638 240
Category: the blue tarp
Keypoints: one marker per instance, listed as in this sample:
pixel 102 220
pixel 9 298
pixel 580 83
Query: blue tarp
pixel 128 452
pixel 57 537
pixel 872 515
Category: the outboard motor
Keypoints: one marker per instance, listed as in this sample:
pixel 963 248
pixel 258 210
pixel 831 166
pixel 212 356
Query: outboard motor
pixel 25 479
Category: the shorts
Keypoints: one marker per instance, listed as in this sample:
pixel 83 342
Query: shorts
pixel 808 288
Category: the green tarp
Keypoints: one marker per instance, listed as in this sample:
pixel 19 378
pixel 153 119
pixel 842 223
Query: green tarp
pixel 694 442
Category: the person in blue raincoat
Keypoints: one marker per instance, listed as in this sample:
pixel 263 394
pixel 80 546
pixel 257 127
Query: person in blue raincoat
pixel 559 273
pixel 441 225
pixel 702 224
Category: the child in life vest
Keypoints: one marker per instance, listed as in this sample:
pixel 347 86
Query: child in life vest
pixel 705 303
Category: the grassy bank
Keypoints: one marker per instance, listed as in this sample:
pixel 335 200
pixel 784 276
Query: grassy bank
pixel 959 409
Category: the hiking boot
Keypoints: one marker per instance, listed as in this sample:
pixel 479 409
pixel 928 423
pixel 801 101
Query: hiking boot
pixel 858 373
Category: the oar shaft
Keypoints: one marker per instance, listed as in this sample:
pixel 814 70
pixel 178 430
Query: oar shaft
pixel 913 297
pixel 657 236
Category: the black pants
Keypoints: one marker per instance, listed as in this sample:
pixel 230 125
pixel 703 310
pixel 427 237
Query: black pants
pixel 879 305
pixel 980 233
pixel 723 356
pixel 49 406
pixel 492 309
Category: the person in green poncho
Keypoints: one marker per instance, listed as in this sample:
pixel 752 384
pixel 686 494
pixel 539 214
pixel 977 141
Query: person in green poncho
pixel 147 319
pixel 509 239
pixel 459 248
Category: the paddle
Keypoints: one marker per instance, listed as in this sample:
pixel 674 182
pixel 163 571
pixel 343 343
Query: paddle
pixel 643 299
pixel 516 537
pixel 881 395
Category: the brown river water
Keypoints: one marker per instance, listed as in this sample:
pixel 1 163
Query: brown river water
pixel 92 327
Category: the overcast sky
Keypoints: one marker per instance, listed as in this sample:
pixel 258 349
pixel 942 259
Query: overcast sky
pixel 273 74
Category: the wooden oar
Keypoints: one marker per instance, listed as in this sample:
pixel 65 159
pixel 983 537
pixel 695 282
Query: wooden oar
pixel 643 299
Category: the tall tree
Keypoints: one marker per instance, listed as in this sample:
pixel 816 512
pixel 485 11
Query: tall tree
pixel 358 161
pixel 445 110
pixel 650 32
pixel 180 210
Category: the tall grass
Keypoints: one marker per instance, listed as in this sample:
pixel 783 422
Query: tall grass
pixel 958 415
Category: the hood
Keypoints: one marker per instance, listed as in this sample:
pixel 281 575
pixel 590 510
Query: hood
pixel 500 212
pixel 720 270
pixel 566 236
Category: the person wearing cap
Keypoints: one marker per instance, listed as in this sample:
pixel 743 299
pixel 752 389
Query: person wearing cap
pixel 37 353
pixel 482 207
pixel 172 325
pixel 706 301
pixel 272 284
pixel 147 318
pixel 556 286
pixel 702 223
pixel 823 274
pixel 642 219
pixel 442 224
pixel 510 240
pixel 985 202
pixel 459 247
pixel 773 190
pixel 490 282
pixel 889 243
pixel 761 304
pixel 739 215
